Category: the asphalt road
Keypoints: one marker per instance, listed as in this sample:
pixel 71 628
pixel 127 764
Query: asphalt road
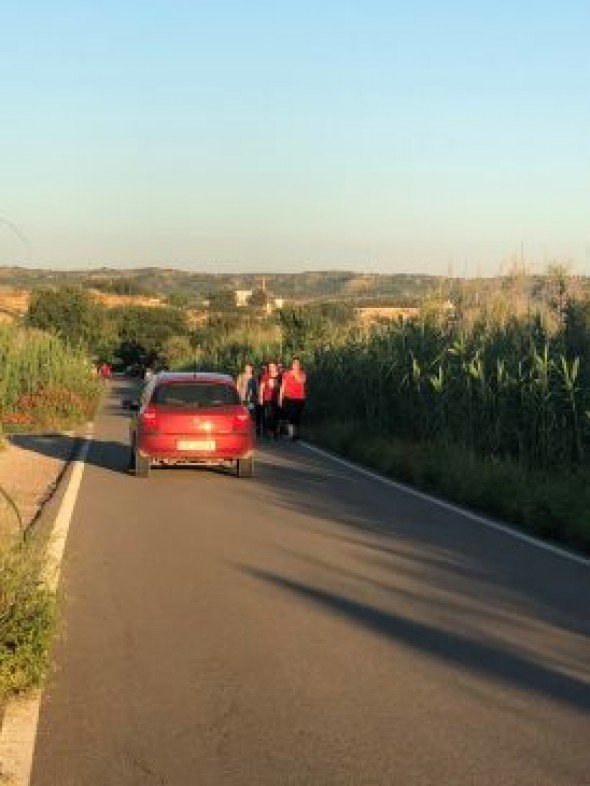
pixel 309 626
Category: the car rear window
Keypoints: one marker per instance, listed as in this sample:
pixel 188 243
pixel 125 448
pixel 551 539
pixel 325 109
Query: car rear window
pixel 195 394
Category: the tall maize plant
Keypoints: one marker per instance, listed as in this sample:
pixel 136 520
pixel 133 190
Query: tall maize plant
pixel 509 391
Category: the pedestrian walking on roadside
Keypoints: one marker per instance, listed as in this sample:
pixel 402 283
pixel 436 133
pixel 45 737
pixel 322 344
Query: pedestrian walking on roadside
pixel 263 371
pixel 270 390
pixel 292 397
pixel 247 385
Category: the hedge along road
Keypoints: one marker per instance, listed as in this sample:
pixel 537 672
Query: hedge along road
pixel 309 626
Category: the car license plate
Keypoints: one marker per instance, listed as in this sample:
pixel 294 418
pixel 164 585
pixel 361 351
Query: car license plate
pixel 202 445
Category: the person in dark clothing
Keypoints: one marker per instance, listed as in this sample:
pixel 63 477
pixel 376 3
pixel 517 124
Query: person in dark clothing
pixel 259 405
pixel 270 390
pixel 247 385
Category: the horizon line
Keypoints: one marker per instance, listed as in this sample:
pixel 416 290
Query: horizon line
pixel 516 271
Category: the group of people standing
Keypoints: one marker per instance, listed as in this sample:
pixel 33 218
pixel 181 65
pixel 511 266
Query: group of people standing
pixel 274 396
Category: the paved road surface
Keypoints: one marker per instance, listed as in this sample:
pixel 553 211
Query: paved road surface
pixel 308 627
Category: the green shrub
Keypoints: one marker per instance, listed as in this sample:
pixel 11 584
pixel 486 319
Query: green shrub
pixel 27 615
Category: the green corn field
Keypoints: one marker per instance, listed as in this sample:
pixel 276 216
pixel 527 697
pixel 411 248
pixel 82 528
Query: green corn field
pixel 508 393
pixel 512 389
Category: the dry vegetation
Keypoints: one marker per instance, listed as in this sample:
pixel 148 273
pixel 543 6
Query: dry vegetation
pixel 13 303
pixel 112 300
pixel 372 314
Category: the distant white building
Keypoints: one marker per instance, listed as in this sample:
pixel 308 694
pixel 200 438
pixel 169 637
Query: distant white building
pixel 272 303
pixel 243 297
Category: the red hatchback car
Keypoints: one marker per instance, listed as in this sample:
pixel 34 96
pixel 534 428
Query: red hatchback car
pixel 185 418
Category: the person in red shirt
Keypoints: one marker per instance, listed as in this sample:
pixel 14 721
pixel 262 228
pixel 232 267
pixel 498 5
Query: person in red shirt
pixel 292 396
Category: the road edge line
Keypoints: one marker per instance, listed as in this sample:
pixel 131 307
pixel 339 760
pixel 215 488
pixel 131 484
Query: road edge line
pixel 505 529
pixel 59 533
pixel 21 717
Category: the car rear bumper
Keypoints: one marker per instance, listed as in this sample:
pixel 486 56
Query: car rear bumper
pixel 228 447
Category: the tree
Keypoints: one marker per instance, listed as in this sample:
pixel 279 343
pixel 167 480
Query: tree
pixel 303 330
pixel 259 298
pixel 177 349
pixel 178 300
pixel 577 334
pixel 337 312
pixel 143 331
pixel 222 300
pixel 69 312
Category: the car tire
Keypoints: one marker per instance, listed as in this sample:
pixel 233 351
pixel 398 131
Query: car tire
pixel 245 467
pixel 142 465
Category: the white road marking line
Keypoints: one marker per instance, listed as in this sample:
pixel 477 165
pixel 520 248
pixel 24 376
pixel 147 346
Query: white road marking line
pixel 468 514
pixel 61 526
pixel 19 726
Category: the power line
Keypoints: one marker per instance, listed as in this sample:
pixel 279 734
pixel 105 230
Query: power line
pixel 17 232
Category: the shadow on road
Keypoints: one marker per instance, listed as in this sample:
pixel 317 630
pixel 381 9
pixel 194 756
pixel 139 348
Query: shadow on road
pixel 454 649
pixel 495 589
pixel 108 454
pixel 391 529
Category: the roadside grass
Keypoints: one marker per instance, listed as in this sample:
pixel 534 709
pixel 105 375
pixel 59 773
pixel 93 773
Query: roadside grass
pixel 27 616
pixel 51 410
pixel 555 506
pixel 44 384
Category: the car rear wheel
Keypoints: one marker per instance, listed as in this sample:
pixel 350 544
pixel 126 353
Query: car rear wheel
pixel 245 467
pixel 142 465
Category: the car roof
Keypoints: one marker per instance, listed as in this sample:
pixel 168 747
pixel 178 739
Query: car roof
pixel 193 376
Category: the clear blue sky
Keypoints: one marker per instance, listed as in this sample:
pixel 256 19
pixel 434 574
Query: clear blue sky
pixel 224 135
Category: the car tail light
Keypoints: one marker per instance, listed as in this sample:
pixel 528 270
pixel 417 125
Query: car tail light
pixel 149 419
pixel 242 420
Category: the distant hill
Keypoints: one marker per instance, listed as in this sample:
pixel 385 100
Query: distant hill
pixel 400 290
pixel 403 288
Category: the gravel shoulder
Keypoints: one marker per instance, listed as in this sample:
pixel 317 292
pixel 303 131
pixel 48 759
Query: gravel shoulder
pixel 30 469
